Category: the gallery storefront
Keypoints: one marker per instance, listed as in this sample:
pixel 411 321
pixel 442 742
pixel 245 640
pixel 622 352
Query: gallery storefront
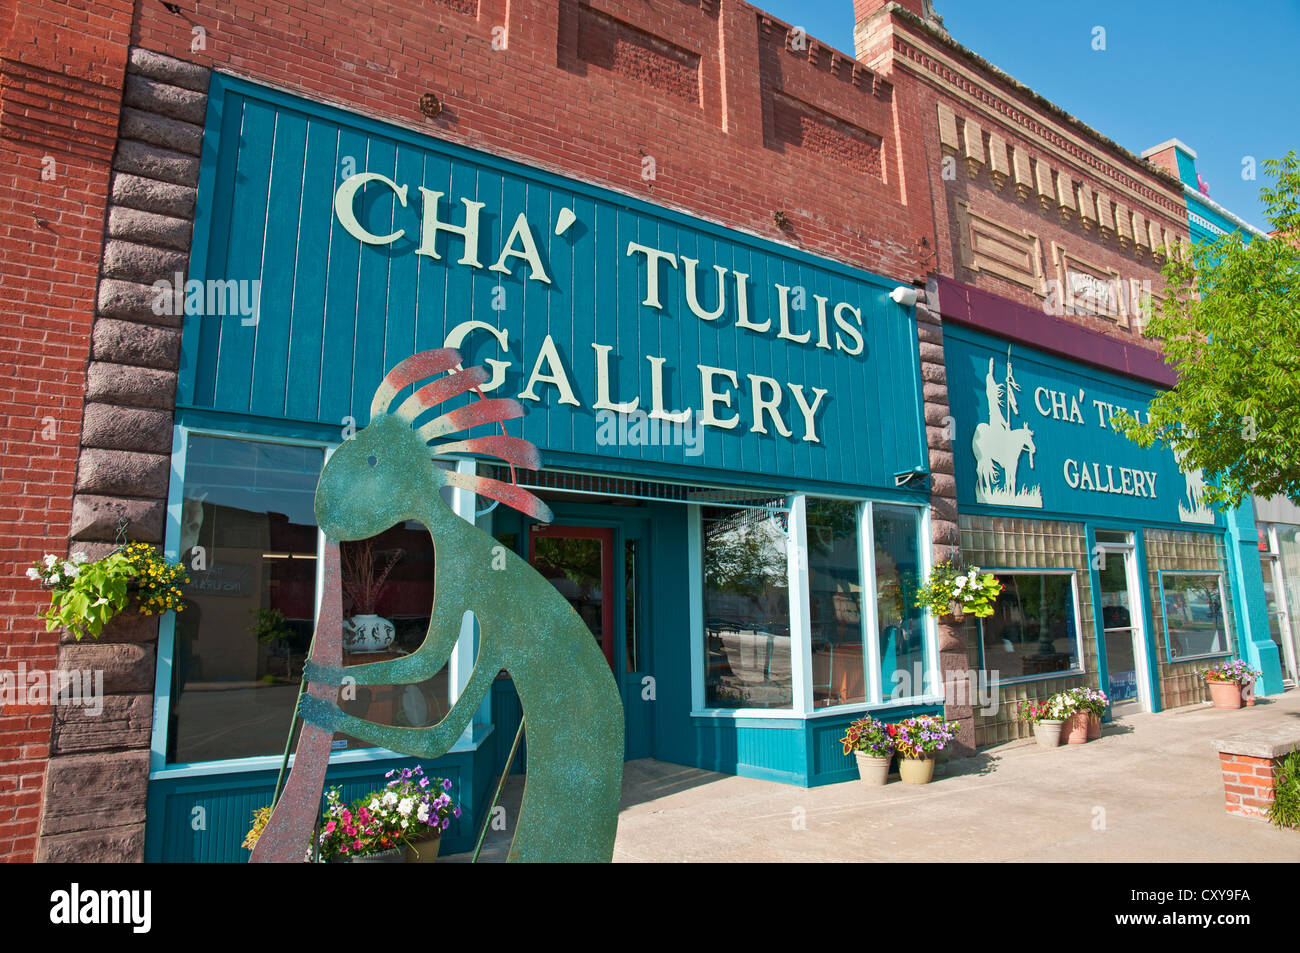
pixel 1116 574
pixel 730 432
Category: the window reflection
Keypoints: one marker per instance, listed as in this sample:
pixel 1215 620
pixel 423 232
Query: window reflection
pixel 904 671
pixel 835 601
pixel 746 609
pixel 1032 630
pixel 241 643
pixel 1194 614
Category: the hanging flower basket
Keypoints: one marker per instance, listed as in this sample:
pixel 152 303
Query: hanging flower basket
pixel 952 592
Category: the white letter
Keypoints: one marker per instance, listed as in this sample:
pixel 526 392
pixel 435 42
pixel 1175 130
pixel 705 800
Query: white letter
pixel 551 358
pixel 707 416
pixel 770 405
pixel 657 411
pixel 432 226
pixel 852 332
pixel 528 253
pixel 602 384
pixel 809 426
pixel 652 257
pixel 344 201
pixel 692 297
pixel 457 334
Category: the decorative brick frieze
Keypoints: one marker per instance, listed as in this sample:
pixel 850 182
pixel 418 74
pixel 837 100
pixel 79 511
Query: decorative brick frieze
pixel 124 465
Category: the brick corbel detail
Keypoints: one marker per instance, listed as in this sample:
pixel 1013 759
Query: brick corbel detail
pixel 124 462
pixel 954 663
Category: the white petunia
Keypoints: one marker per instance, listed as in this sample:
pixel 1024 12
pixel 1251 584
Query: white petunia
pixel 374 804
pixel 79 558
pixel 961 581
pixel 422 815
pixel 50 560
pixel 33 573
pixel 405 806
pixel 70 570
pixel 390 798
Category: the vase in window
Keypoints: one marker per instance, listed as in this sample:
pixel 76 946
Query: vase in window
pixel 364 579
pixel 368 632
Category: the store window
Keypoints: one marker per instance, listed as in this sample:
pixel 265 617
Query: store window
pixel 835 603
pixel 746 608
pixel 240 644
pixel 1194 618
pixel 904 661
pixel 1034 628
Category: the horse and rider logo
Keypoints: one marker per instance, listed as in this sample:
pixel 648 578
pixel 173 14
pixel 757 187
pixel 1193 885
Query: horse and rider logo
pixel 998 446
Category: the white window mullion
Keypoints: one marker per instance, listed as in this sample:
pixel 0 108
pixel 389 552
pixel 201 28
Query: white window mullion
pixel 800 609
pixel 461 664
pixel 870 620
pixel 695 595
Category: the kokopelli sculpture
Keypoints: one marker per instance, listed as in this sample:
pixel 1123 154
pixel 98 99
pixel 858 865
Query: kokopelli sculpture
pixel 386 475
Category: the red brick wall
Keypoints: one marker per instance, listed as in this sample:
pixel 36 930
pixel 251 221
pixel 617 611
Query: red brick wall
pixel 1247 783
pixel 907 52
pixel 739 127
pixel 60 90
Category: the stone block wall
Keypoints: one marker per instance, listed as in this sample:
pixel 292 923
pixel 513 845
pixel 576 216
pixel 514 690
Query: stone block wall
pixel 124 463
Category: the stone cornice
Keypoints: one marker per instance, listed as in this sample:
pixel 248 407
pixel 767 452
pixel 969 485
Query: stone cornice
pixel 922 55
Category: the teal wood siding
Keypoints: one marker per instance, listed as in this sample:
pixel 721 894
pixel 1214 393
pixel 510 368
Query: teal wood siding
pixel 176 833
pixel 336 314
pixel 1059 440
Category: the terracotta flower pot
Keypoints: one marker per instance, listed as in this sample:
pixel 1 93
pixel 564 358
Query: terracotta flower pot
pixel 1225 694
pixel 1094 726
pixel 1075 728
pixel 916 770
pixel 1048 732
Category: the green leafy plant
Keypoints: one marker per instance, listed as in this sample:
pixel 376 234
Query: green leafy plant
pixel 85 595
pixel 1285 809
pixel 1228 322
pixel 967 590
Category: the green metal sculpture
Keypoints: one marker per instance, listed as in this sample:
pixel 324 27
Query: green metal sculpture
pixel 386 475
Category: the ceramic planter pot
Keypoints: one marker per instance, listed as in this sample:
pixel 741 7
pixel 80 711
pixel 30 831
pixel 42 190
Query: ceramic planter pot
pixel 1094 727
pixel 1225 694
pixel 368 633
pixel 1048 733
pixel 1075 728
pixel 394 856
pixel 423 851
pixel 872 771
pixel 916 770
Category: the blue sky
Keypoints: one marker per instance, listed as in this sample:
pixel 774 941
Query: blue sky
pixel 1222 77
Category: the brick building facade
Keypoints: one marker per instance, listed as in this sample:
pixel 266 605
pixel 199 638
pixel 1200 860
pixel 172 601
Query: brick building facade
pixel 913 160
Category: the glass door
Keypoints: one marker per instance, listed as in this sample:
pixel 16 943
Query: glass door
pixel 1279 625
pixel 1126 681
pixel 579 562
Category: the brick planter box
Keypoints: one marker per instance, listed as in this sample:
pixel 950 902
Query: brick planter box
pixel 1249 762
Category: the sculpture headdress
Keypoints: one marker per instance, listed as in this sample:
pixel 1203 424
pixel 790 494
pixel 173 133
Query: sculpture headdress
pixel 452 381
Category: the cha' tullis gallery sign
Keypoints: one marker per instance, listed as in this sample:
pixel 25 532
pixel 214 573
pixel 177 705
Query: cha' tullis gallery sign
pixel 371 243
pixel 1035 432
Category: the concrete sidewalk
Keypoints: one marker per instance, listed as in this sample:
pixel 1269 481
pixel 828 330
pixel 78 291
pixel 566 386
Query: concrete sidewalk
pixel 1148 790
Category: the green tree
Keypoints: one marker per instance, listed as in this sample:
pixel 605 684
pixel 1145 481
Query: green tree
pixel 1231 324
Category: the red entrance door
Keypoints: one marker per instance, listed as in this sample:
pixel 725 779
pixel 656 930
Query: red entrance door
pixel 579 562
